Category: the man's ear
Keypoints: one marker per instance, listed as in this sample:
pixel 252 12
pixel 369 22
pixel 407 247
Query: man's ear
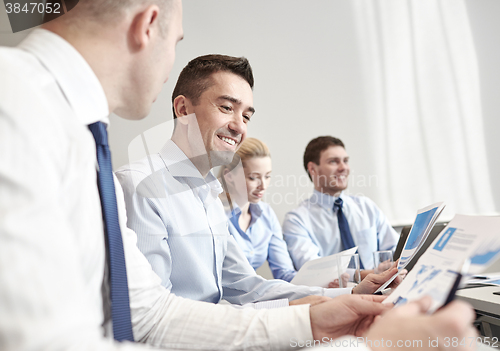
pixel 182 108
pixel 311 167
pixel 144 26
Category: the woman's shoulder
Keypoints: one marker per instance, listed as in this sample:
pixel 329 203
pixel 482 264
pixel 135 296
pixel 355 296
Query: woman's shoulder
pixel 264 207
pixel 267 212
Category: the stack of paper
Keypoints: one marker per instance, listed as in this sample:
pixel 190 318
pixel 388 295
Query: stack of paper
pixel 321 271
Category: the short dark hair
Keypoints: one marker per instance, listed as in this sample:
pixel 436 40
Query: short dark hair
pixel 316 146
pixel 110 11
pixel 195 77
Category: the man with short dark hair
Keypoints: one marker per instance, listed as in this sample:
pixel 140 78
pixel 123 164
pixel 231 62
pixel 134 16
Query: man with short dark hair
pixel 316 228
pixel 314 149
pixel 172 197
pixel 64 248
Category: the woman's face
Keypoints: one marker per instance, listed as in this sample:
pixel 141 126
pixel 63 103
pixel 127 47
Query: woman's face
pixel 257 176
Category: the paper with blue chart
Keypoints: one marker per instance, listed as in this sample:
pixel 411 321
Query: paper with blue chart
pixel 425 220
pixel 474 238
pixel 422 226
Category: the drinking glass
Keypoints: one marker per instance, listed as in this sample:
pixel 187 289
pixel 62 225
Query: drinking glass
pixel 382 260
pixel 348 270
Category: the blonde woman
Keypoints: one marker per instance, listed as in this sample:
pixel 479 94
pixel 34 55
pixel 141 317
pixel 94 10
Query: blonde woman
pixel 253 222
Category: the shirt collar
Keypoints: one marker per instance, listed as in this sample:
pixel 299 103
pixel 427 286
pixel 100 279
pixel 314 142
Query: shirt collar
pixel 179 165
pixel 324 200
pixel 75 77
pixel 234 215
pixel 255 210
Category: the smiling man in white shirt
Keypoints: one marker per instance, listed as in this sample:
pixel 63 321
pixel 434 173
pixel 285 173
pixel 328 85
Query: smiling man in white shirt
pixel 172 196
pixel 314 229
pixel 102 57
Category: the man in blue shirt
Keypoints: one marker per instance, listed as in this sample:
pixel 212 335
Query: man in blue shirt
pixel 314 229
pixel 172 197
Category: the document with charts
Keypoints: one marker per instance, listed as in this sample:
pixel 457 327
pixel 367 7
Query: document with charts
pixel 474 238
pixel 426 217
pixel 422 226
pixel 321 271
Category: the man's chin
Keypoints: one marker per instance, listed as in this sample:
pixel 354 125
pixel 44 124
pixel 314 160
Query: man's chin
pixel 221 158
pixel 132 114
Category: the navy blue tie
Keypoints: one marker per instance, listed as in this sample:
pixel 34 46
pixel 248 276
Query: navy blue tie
pixel 345 232
pixel 120 305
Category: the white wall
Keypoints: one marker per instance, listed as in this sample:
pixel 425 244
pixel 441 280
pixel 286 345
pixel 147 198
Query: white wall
pixel 306 69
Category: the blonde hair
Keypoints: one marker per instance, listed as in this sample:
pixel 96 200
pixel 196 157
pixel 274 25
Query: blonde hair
pixel 249 148
pixel 252 147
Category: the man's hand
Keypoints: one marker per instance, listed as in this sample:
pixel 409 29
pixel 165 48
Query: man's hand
pixel 373 281
pixel 410 322
pixel 365 272
pixel 312 300
pixel 383 266
pixel 398 279
pixel 335 283
pixel 345 315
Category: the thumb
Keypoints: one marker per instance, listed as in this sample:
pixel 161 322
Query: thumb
pixel 370 308
pixel 384 276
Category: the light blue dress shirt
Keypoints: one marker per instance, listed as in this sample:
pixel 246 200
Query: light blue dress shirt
pixel 312 231
pixel 263 240
pixel 182 230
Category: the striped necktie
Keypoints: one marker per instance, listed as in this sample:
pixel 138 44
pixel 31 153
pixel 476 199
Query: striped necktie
pixel 120 306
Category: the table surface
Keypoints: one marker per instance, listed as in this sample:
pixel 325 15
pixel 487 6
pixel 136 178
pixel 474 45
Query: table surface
pixel 482 298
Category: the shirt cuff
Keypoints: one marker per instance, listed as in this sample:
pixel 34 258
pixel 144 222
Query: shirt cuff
pixel 267 304
pixel 289 326
pixel 271 304
pixel 337 292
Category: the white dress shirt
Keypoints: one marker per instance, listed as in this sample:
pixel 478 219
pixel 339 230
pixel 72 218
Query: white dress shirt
pixel 52 252
pixel 182 230
pixel 312 231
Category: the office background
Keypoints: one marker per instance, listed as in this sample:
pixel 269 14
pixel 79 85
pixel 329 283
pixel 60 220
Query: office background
pixel 311 78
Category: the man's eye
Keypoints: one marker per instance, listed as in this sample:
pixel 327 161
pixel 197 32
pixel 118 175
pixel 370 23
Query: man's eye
pixel 247 118
pixel 251 178
pixel 227 108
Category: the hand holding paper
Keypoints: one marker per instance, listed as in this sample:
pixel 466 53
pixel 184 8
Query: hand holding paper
pixel 424 222
pixel 373 281
pixel 410 324
pixel 345 315
pixel 476 238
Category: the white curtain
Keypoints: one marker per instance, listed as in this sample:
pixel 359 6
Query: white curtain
pixel 423 106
